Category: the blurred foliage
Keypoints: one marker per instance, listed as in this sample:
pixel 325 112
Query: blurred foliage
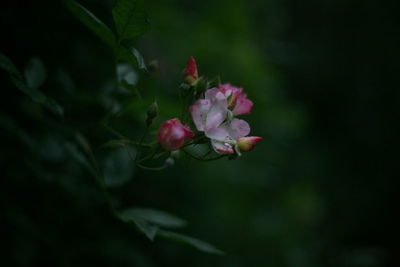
pixel 321 190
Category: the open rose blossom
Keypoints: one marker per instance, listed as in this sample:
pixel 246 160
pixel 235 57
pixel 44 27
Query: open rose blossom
pixel 190 72
pixel 172 134
pixel 210 115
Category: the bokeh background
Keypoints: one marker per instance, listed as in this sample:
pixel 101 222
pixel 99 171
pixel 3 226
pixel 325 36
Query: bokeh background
pixel 320 190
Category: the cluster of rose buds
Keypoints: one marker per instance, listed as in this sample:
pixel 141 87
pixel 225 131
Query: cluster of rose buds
pixel 214 116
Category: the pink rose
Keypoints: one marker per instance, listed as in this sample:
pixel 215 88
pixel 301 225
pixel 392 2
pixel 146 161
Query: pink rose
pixel 172 134
pixel 210 115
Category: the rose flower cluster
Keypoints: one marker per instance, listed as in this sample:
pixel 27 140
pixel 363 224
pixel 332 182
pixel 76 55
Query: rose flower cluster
pixel 214 116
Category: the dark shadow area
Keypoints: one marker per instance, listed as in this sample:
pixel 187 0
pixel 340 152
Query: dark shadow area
pixel 320 189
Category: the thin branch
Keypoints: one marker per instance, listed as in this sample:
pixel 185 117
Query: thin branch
pixel 201 158
pixel 145 167
pixel 152 168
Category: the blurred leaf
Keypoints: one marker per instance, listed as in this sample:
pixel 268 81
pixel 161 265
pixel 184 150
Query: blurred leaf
pixel 78 155
pixel 34 93
pixel 118 167
pixel 130 18
pixel 51 149
pixel 35 73
pixel 131 88
pixel 12 127
pixel 18 80
pixel 91 21
pixel 148 229
pixel 8 65
pixel 84 143
pixel 128 78
pixel 157 217
pixel 65 81
pixel 200 245
pixel 139 58
pixel 126 73
pixel 51 104
pixel 81 158
pixel 132 56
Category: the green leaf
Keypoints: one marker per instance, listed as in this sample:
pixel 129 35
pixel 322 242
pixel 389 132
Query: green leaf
pixel 131 55
pixel 8 124
pixel 118 167
pixel 8 65
pixel 92 22
pixel 200 245
pixel 128 78
pixel 65 81
pixel 130 18
pixel 148 229
pixel 126 73
pixel 52 105
pixel 35 94
pixel 82 159
pixel 76 154
pixel 35 73
pixel 157 217
pixel 139 59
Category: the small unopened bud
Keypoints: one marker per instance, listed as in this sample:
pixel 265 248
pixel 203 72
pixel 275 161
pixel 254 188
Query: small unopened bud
pixel 246 144
pixel 175 154
pixel 152 112
pixel 190 72
pixel 169 161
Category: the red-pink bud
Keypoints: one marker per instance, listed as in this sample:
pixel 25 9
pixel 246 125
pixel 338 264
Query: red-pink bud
pixel 190 72
pixel 246 144
pixel 172 134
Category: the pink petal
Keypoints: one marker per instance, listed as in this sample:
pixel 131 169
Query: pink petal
pixel 211 93
pixel 238 128
pixel 221 147
pixel 220 134
pixel 216 116
pixel 215 95
pixel 226 89
pixel 243 105
pixel 217 113
pixel 188 132
pixel 199 112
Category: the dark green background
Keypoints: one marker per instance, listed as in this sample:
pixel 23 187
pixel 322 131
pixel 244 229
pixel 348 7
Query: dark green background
pixel 320 189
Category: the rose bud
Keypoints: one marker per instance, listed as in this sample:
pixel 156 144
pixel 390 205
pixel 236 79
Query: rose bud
pixel 190 72
pixel 172 134
pixel 246 144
